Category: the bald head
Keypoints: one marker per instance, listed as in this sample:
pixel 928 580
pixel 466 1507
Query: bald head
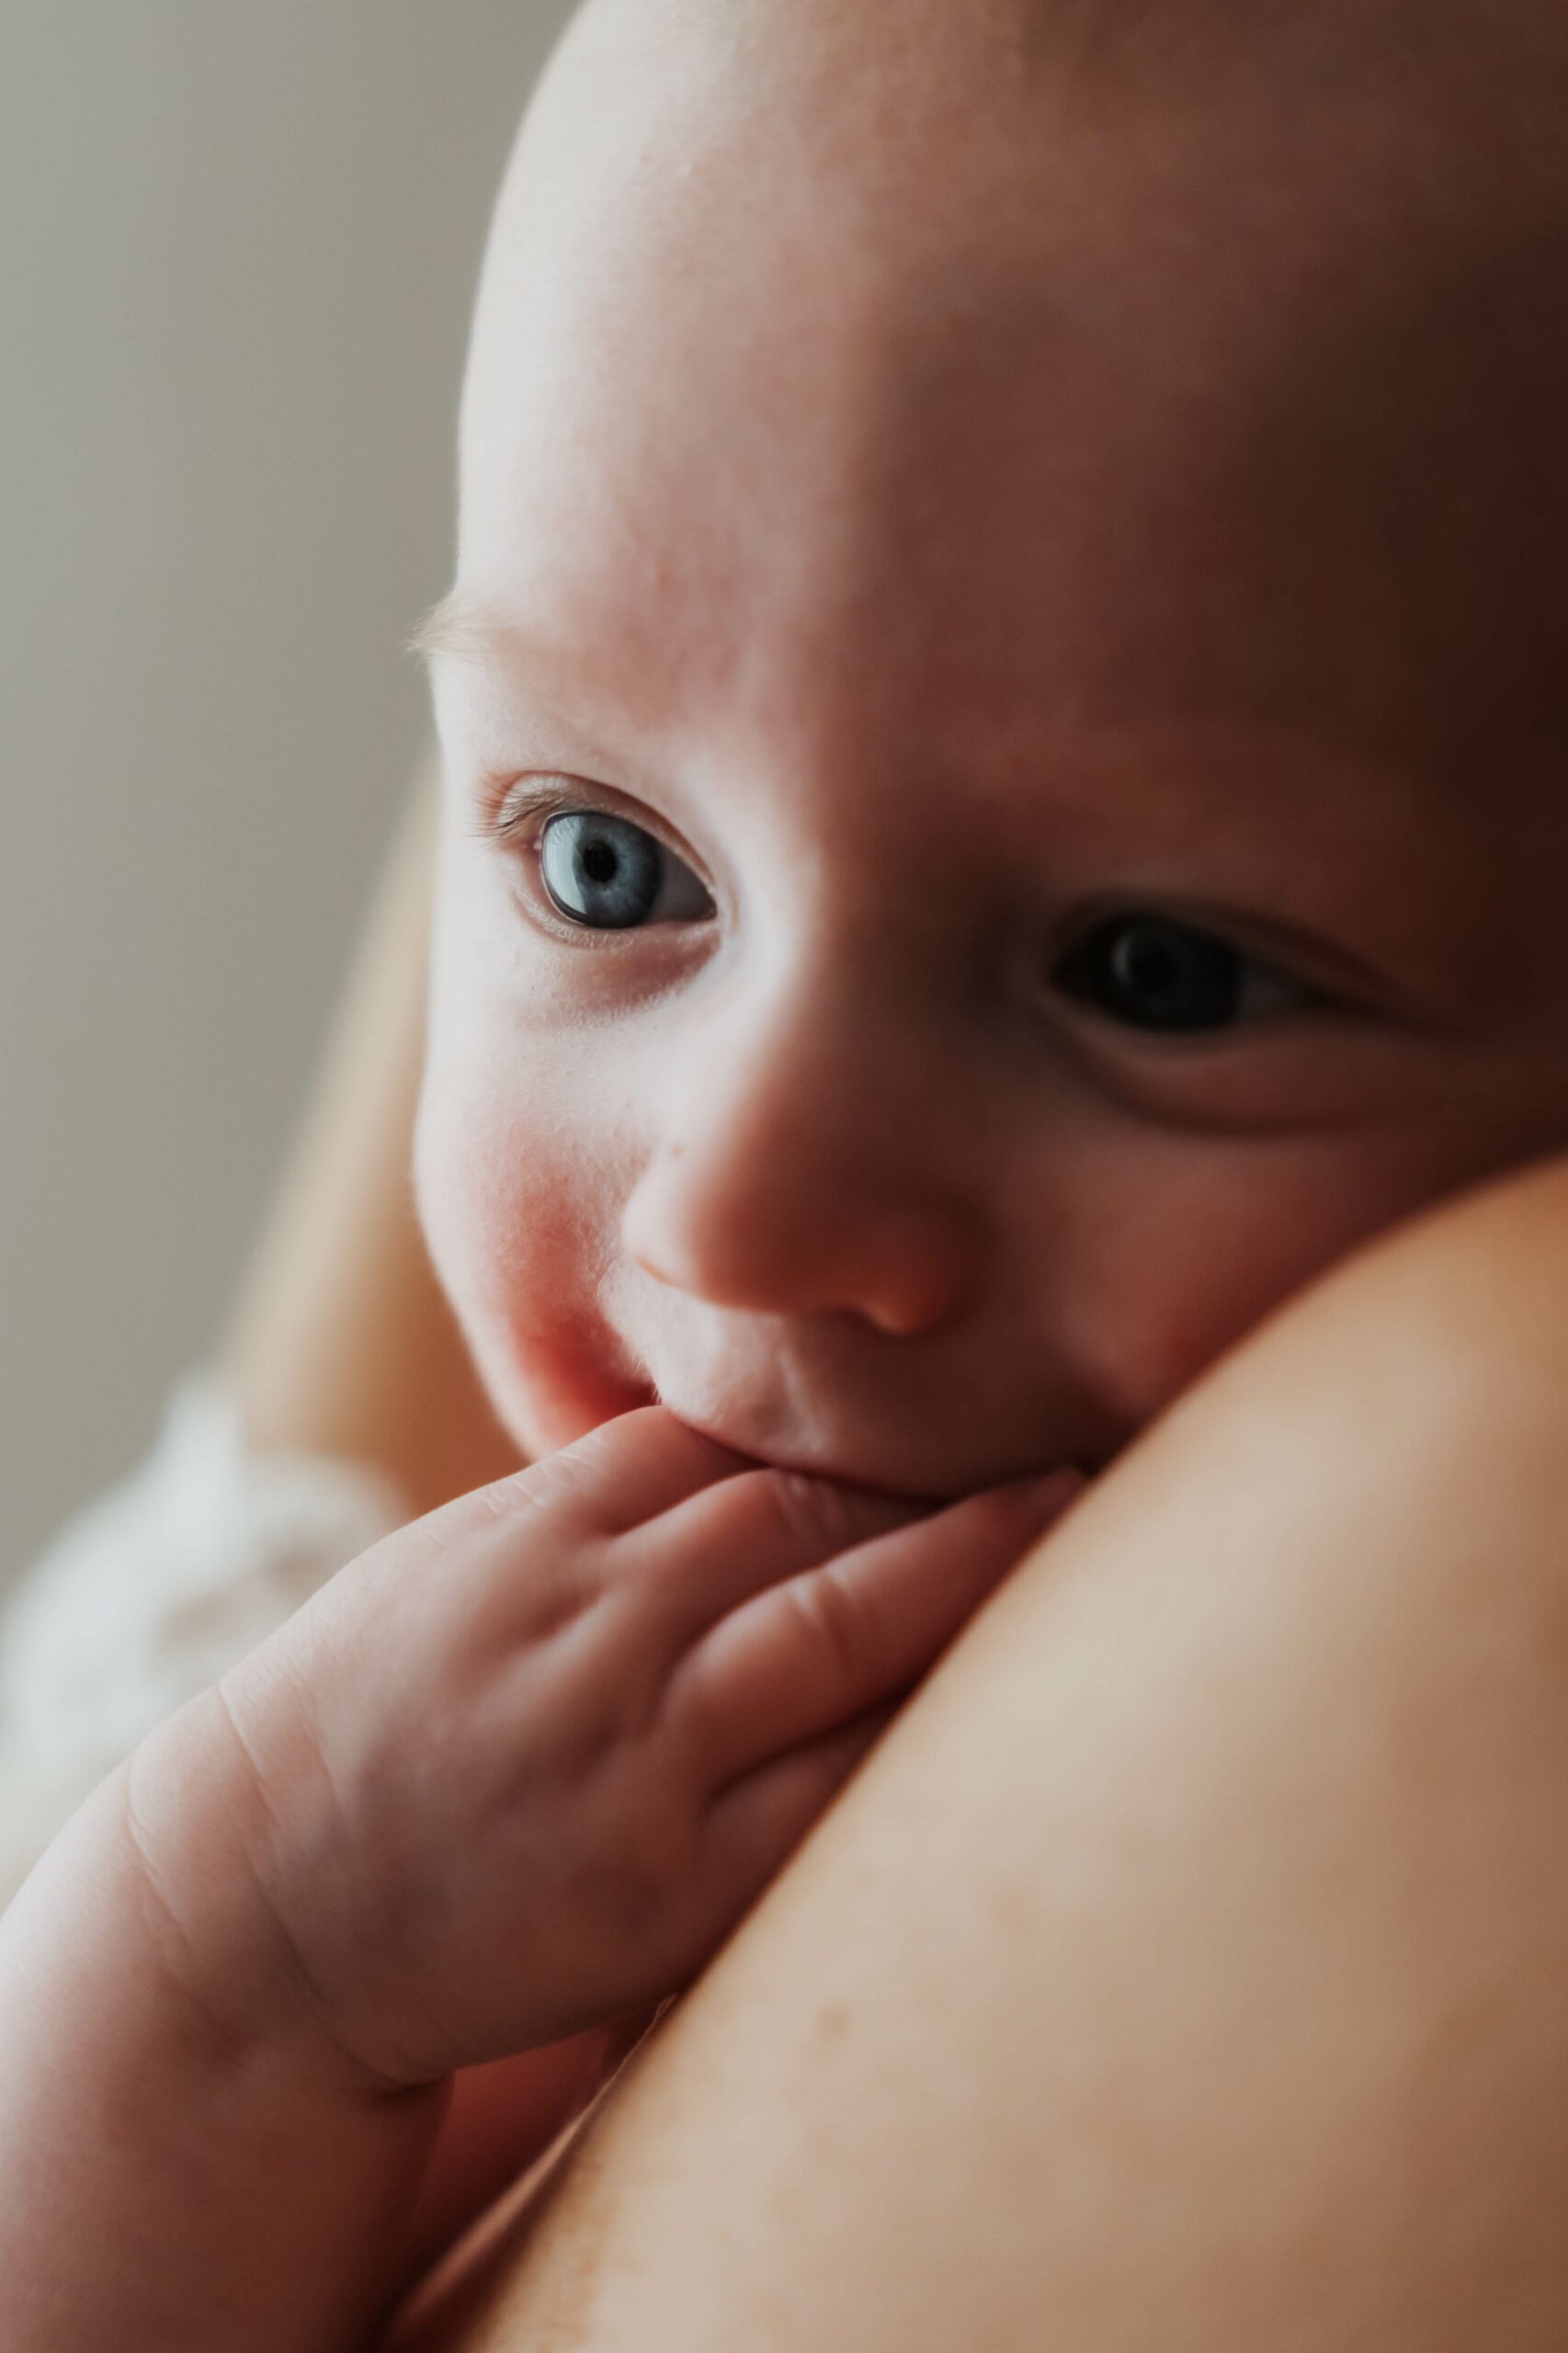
pixel 875 82
pixel 915 110
pixel 916 294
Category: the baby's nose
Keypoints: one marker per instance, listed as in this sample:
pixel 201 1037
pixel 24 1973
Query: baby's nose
pixel 804 1162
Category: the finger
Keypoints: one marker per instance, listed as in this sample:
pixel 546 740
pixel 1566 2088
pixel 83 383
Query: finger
pixel 815 1650
pixel 632 1468
pixel 757 1823
pixel 743 1534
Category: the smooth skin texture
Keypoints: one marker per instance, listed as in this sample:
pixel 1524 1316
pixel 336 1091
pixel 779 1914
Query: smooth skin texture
pixel 1030 541
pixel 1049 567
pixel 1187 1966
pixel 511 1775
pixel 1049 615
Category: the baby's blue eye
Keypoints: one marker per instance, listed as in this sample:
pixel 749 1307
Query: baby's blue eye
pixel 1150 973
pixel 610 875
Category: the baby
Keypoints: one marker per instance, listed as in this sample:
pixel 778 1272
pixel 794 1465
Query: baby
pixel 1001 718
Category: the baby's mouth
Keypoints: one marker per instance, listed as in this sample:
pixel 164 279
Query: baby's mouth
pixel 847 1474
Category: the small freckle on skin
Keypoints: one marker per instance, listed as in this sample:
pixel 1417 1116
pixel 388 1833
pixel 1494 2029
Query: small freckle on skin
pixel 831 2020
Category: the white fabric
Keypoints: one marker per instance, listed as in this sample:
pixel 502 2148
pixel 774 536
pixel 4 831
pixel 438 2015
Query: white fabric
pixel 151 1593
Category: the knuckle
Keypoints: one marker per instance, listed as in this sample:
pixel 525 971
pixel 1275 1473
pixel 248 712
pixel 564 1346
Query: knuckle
pixel 815 1512
pixel 837 1625
pixel 573 1472
pixel 570 1486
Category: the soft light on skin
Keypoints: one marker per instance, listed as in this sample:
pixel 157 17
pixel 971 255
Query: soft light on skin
pixel 949 496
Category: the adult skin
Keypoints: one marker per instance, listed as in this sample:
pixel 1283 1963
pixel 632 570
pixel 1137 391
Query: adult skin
pixel 340 1342
pixel 1187 1965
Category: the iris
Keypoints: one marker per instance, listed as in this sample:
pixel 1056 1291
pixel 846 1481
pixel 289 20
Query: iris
pixel 609 874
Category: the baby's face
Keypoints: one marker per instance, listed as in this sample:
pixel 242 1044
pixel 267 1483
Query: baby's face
pixel 1003 779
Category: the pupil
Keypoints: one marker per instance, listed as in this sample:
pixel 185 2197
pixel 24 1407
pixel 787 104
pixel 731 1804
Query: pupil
pixel 1170 979
pixel 601 862
pixel 1157 975
pixel 1151 967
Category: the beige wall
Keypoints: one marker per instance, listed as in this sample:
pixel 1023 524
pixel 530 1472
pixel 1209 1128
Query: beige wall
pixel 237 246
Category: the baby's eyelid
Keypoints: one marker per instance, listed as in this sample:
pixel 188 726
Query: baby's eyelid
pixel 511 806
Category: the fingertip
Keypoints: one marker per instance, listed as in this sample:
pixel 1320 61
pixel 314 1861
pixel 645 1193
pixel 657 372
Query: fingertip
pixel 639 1466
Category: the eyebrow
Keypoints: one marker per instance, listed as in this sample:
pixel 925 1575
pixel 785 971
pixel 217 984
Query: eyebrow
pixel 457 630
pixel 560 685
pixel 460 629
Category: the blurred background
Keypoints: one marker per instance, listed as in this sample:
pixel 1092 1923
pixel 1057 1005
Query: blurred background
pixel 237 251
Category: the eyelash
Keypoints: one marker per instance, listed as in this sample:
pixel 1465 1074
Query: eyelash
pixel 505 806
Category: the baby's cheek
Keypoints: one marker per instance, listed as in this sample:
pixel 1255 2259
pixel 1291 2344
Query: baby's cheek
pixel 1151 1315
pixel 514 1232
pixel 467 1185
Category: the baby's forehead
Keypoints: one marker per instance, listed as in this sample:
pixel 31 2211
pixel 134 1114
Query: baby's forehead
pixel 907 102
pixel 1130 393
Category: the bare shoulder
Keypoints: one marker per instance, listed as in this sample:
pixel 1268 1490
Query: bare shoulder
pixel 1486 1270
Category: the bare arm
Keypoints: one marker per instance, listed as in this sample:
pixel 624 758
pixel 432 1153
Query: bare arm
pixel 1188 1966
pixel 341 1342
